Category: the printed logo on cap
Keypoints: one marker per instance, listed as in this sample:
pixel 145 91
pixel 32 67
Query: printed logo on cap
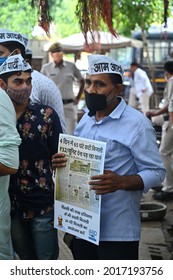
pixel 14 63
pixel 100 64
pixel 7 36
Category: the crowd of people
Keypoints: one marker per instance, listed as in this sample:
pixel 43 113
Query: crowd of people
pixel 35 108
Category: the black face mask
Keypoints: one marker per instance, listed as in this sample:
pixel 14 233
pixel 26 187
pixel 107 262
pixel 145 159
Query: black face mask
pixel 95 102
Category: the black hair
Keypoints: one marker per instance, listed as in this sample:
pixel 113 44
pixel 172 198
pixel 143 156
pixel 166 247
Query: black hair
pixel 134 63
pixel 168 66
pixel 12 45
pixel 5 76
pixel 28 56
pixel 115 78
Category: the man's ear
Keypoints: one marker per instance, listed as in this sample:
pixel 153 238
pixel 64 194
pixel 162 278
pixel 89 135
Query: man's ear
pixel 16 51
pixel 119 88
pixel 3 84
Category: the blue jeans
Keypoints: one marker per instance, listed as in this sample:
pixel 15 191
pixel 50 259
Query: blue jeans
pixel 35 239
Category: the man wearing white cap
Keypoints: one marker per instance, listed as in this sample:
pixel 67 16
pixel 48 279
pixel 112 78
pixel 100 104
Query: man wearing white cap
pixel 44 90
pixel 31 188
pixel 132 162
pixel 9 162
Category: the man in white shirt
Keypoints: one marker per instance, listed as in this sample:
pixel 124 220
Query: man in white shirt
pixel 142 87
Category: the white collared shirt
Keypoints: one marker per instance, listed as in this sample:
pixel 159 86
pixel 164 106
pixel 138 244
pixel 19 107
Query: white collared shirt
pixel 142 82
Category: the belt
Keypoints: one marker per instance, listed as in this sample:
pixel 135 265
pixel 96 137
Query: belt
pixel 66 101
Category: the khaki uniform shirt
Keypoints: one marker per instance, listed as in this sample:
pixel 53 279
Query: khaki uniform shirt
pixel 63 76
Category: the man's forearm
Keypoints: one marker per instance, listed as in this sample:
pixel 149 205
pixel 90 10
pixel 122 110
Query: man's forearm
pixel 5 170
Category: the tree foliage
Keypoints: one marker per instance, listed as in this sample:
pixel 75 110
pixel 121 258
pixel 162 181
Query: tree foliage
pixel 141 14
pixel 18 15
pixel 131 14
pixel 64 17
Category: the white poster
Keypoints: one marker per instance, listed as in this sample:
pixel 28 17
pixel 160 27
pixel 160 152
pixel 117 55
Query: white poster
pixel 77 208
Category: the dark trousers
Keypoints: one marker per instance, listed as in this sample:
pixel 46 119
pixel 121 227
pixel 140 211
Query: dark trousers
pixel 106 250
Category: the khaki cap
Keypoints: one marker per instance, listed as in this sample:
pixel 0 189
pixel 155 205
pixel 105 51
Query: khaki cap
pixel 56 47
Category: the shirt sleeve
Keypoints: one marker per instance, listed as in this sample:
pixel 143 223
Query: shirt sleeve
pixel 45 91
pixel 54 132
pixel 147 158
pixel 170 94
pixel 77 73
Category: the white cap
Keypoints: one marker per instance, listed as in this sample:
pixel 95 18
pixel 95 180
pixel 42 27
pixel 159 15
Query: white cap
pixel 14 63
pixel 7 36
pixel 101 64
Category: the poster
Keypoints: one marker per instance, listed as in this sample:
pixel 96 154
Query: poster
pixel 77 208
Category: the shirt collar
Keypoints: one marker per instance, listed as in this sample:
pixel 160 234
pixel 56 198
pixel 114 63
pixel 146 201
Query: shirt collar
pixel 32 105
pixel 171 78
pixel 118 111
pixel 61 65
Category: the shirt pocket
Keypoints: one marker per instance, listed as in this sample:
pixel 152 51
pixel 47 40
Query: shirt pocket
pixel 113 152
pixel 69 77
